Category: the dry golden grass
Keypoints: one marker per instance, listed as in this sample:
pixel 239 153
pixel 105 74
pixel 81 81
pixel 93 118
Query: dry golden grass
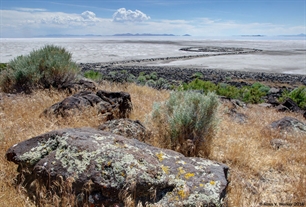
pixel 258 173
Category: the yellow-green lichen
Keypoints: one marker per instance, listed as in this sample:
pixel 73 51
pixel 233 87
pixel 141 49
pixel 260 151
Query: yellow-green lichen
pixel 182 194
pixel 74 160
pixel 165 169
pixel 189 175
pixel 212 182
pixel 160 156
pixel 40 151
pixel 181 171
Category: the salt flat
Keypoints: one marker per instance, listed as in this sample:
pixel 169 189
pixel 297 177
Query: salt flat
pixel 277 55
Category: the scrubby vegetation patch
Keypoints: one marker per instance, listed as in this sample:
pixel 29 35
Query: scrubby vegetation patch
pixel 249 94
pixel 50 66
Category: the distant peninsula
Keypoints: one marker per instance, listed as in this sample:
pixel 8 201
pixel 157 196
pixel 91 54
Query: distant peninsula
pixel 122 35
pixel 252 35
pixel 144 34
pixel 69 35
pixel 299 35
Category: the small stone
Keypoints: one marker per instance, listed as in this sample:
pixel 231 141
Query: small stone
pixel 279 143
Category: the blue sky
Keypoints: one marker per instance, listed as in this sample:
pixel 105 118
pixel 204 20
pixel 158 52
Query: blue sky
pixel 29 18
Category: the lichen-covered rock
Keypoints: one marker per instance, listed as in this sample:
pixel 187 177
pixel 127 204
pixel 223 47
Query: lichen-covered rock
pixel 289 124
pixel 80 85
pixel 125 127
pixel 111 104
pixel 104 169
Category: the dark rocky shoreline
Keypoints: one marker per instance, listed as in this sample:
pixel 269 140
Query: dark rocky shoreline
pixel 185 74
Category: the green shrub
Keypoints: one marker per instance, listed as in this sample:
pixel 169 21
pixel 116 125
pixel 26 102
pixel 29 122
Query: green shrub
pixel 262 88
pixel 148 77
pixel 153 76
pixel 93 75
pixel 121 76
pixel 3 66
pixel 151 83
pixel 198 75
pixel 142 73
pixel 162 83
pixel 131 78
pixel 197 84
pixel 255 93
pixel 189 117
pixel 249 94
pixel 228 91
pixel 298 95
pixel 112 75
pixel 141 80
pixel 50 66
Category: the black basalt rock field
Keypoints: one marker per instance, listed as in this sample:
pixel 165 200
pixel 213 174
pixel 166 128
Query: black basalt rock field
pixel 185 73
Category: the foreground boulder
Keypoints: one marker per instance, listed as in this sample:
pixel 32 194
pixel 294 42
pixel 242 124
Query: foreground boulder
pixel 98 168
pixel 111 104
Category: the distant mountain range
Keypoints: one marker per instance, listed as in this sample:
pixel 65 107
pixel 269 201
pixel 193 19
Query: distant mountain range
pixel 70 35
pixel 125 34
pixel 252 35
pixel 299 35
pixel 148 34
pixel 152 35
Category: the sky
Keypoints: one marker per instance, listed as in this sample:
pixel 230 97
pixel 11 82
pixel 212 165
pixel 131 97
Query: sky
pixel 32 18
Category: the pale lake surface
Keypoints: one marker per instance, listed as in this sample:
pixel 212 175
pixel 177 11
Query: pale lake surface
pixel 280 55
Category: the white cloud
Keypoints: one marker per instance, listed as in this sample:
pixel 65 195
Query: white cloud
pixel 123 15
pixel 83 19
pixel 207 21
pixel 30 9
pixel 15 23
pixel 88 15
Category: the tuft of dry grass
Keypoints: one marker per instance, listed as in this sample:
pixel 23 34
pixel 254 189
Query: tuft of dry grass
pixel 258 173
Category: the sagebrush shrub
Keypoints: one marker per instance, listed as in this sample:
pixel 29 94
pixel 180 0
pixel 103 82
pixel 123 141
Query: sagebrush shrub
pixel 50 66
pixel 190 119
pixel 3 66
pixel 298 95
pixel 141 80
pixel 249 94
pixel 93 75
pixel 198 75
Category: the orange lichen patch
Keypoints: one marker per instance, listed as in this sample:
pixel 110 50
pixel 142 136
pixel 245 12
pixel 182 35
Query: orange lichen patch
pixel 212 182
